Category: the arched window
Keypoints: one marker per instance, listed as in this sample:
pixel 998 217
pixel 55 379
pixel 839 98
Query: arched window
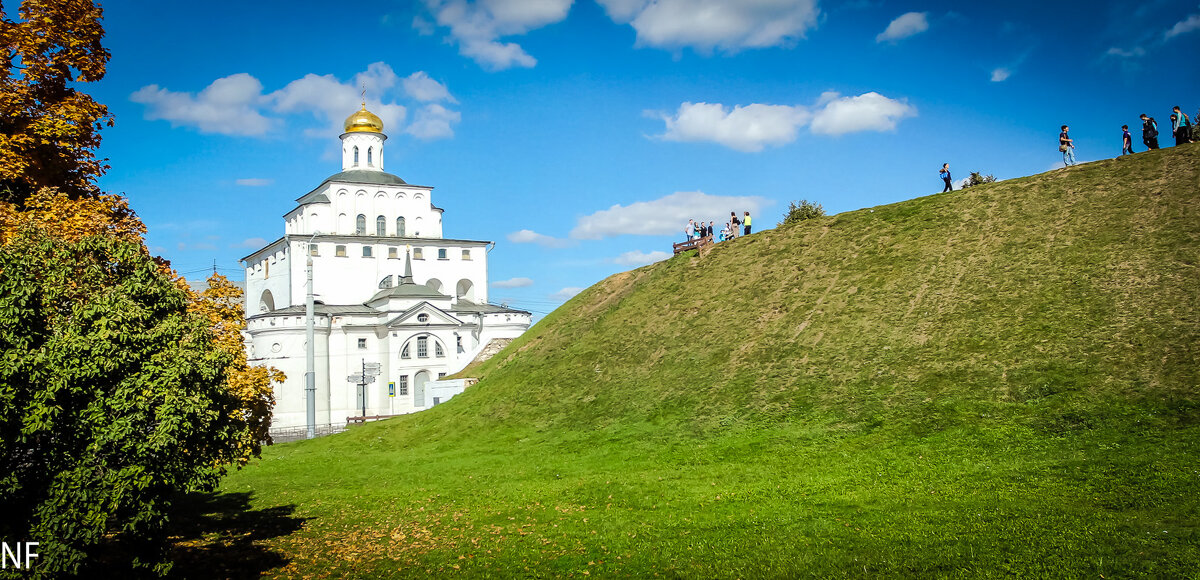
pixel 356 154
pixel 404 352
pixel 465 290
pixel 438 350
pixel 380 226
pixel 370 162
pixel 360 224
pixel 266 303
pixel 400 226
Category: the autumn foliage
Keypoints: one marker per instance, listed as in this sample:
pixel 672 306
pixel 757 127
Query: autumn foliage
pixel 120 386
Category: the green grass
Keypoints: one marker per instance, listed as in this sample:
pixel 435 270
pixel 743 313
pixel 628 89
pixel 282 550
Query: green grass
pixel 995 382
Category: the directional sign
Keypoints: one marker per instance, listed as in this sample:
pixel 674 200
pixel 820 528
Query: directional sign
pixel 371 368
pixel 358 379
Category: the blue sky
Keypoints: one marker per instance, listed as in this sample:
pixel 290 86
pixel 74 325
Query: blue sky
pixel 581 136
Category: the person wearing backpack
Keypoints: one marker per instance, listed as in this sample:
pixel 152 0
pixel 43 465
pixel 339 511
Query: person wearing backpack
pixel 1149 132
pixel 945 175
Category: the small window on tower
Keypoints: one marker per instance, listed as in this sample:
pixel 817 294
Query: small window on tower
pixel 417 255
pixel 340 251
pixel 370 163
pixel 466 254
pixel 312 250
pixel 393 253
pixel 362 344
pixel 367 251
pixel 356 155
pixel 442 254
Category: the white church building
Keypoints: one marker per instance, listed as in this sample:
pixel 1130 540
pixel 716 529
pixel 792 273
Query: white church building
pixel 389 289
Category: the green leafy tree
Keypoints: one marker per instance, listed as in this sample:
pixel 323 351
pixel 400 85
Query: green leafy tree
pixel 112 399
pixel 800 211
pixel 977 178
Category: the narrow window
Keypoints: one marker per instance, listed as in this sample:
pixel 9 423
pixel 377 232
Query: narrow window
pixel 360 224
pixel 460 346
pixel 400 227
pixel 369 161
pixel 402 385
pixel 404 354
pixel 393 253
pixel 356 155
pixel 442 254
pixel 312 250
pixel 340 251
pixel 422 347
pixel 362 344
pixel 438 351
pixel 366 251
pixel 417 255
pixel 380 226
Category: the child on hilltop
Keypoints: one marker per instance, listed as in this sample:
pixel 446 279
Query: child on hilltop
pixel 1126 140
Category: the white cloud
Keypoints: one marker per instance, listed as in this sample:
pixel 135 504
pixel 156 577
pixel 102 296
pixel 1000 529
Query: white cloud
pixel 904 26
pixel 866 112
pixel 199 246
pixel 251 243
pixel 750 128
pixel 1000 75
pixel 663 216
pixel 704 25
pixel 433 122
pixel 254 182
pixel 236 105
pixel 566 293
pixel 640 258
pixel 747 128
pixel 1135 52
pixel 513 283
pixel 1189 24
pixel 423 88
pixel 532 237
pixel 229 106
pixel 478 26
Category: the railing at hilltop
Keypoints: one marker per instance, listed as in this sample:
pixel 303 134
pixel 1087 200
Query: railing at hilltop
pixel 696 244
pixel 286 434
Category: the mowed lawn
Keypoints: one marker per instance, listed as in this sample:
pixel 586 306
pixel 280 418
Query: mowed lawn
pixel 996 382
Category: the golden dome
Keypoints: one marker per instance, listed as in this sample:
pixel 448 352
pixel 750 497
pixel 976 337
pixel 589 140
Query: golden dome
pixel 363 121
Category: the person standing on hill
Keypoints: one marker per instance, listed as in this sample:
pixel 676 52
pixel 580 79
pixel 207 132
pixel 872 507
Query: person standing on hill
pixel 1126 140
pixel 1181 126
pixel 734 222
pixel 945 175
pixel 710 229
pixel 1067 146
pixel 746 224
pixel 1149 132
pixel 690 230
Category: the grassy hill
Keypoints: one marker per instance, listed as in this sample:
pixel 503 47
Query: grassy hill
pixel 998 381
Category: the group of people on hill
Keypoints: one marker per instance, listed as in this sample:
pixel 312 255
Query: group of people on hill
pixel 1182 130
pixel 696 229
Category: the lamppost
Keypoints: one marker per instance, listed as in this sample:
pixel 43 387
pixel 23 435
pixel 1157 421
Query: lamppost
pixel 310 371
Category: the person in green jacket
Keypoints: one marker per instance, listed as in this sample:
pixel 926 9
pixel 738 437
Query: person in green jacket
pixel 746 224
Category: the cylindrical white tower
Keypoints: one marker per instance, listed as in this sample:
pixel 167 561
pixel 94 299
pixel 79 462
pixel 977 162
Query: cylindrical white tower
pixel 362 143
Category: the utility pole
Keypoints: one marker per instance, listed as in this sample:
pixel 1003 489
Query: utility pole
pixel 364 386
pixel 310 370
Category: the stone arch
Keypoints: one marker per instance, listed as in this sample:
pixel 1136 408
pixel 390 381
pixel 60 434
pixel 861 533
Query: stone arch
pixel 434 284
pixel 266 302
pixel 419 382
pixel 343 224
pixel 465 290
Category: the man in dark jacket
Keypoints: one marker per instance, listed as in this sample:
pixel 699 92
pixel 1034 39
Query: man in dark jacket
pixel 1149 132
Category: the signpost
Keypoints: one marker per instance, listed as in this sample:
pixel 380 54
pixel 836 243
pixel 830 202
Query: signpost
pixel 366 377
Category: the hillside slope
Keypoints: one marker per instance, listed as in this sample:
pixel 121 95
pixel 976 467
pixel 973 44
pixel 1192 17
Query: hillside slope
pixel 996 381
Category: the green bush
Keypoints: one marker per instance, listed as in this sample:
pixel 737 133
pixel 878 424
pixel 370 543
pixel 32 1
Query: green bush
pixel 111 401
pixel 978 178
pixel 804 210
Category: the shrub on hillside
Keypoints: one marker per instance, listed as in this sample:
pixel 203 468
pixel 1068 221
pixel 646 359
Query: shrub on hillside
pixel 978 178
pixel 804 210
